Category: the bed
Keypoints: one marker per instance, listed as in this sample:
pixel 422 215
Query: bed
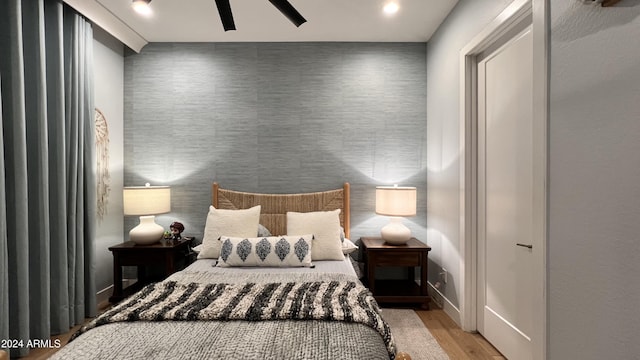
pixel 309 305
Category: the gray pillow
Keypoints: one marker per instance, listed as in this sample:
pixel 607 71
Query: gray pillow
pixel 263 231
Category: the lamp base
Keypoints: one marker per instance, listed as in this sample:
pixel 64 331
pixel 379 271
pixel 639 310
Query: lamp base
pixel 395 232
pixel 147 232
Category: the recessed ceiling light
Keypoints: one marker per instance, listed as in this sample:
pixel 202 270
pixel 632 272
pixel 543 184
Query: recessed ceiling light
pixel 142 7
pixel 391 8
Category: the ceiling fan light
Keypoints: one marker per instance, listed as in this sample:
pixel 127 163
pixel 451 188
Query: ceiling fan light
pixel 142 7
pixel 391 8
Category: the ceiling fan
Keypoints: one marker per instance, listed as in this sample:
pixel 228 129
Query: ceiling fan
pixel 226 16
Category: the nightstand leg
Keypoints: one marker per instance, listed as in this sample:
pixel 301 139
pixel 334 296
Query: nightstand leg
pixel 371 277
pixel 170 265
pixel 423 282
pixel 117 280
pixel 142 274
pixel 423 277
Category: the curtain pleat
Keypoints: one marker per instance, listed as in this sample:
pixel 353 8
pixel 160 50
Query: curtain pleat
pixel 90 205
pixel 47 191
pixel 15 156
pixel 37 164
pixel 4 260
pixel 71 99
pixel 80 169
pixel 57 165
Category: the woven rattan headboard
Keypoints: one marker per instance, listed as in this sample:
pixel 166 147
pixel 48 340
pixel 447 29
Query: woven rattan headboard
pixel 273 213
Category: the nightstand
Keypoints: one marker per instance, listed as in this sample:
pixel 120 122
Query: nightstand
pixel 168 256
pixel 413 254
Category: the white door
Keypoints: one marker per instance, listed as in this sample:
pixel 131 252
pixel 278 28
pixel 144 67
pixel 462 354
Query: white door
pixel 506 207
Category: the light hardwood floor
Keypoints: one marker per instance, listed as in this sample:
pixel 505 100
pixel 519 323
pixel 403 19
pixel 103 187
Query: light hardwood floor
pixel 458 344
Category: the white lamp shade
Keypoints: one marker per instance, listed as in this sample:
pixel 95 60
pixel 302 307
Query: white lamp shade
pixel 146 200
pixel 396 200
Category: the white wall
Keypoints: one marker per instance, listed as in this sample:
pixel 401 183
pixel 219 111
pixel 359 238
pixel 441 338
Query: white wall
pixel 594 202
pixel 466 20
pixel 109 89
pixel 594 171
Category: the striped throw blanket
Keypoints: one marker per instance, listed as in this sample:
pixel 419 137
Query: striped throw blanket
pixel 320 300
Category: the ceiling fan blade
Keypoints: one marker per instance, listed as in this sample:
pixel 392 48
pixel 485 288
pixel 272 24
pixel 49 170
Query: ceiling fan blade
pixel 224 9
pixel 289 11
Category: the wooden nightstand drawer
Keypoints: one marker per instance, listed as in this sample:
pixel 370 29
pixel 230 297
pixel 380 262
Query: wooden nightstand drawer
pixel 396 259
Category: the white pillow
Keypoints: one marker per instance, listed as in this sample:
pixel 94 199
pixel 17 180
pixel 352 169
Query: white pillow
pixel 348 246
pixel 240 223
pixel 325 227
pixel 277 251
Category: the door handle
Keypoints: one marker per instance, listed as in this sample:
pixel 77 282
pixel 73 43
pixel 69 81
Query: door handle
pixel 525 245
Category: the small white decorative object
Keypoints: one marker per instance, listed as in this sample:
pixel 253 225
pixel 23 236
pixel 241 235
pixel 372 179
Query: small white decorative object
pixel 396 202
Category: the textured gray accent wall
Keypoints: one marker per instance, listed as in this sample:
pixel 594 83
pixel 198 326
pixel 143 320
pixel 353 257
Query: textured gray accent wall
pixel 277 117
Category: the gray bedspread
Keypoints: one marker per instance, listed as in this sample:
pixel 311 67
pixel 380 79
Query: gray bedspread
pixel 236 339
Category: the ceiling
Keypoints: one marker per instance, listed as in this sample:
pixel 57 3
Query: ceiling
pixel 259 20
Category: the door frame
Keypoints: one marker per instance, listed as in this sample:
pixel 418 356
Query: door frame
pixel 517 11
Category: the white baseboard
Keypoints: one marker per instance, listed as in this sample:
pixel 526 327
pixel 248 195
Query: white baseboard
pixel 102 297
pixel 441 301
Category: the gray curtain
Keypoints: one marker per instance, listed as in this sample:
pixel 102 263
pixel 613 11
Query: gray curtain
pixel 47 187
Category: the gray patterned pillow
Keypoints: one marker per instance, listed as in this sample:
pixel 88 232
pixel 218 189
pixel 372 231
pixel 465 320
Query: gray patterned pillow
pixel 274 251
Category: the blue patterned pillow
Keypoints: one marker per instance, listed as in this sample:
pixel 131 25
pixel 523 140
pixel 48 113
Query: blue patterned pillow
pixel 274 251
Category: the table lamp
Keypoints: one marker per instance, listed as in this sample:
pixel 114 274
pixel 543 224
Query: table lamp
pixel 146 201
pixel 396 202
